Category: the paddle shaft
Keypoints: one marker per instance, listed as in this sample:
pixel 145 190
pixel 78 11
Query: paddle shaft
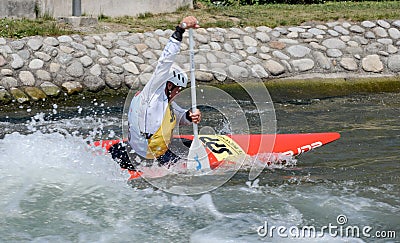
pixel 193 81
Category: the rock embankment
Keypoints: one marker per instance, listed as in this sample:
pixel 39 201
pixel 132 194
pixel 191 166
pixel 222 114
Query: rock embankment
pixel 35 68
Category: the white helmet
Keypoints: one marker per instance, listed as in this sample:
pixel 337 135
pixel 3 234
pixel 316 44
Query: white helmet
pixel 178 77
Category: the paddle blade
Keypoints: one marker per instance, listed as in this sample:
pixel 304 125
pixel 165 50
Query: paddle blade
pixel 197 158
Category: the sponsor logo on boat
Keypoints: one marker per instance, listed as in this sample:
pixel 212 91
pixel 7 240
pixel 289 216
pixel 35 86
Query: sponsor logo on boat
pixel 303 149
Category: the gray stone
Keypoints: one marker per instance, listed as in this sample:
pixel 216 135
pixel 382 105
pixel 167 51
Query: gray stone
pixel 396 23
pixel 274 67
pixel 17 45
pixel 251 50
pixel 72 87
pixel 96 70
pixel 17 62
pixel 152 43
pixel 215 46
pixel 6 72
pixel 394 63
pixel 36 64
pixel 131 68
pixel 322 60
pixel 249 41
pixel 349 64
pixel 385 41
pixel 317 46
pixel 249 29
pixel 345 38
pixel 132 82
pixel 280 55
pixel 103 61
pixel 94 83
pixel 238 72
pixel 43 56
pixel 54 67
pixel 368 24
pixel 263 37
pixel 35 43
pixel 298 50
pixel 392 49
pixel 383 24
pixel 372 63
pixel 50 89
pixel 149 55
pixel 86 61
pixel 75 69
pixel 119 52
pixel 201 38
pixel 203 76
pixel 357 29
pixel 51 41
pixel 303 65
pixel 237 44
pixel 383 53
pixel 316 31
pixel 333 33
pixel 79 54
pixel 258 71
pixel 5 50
pixel 118 61
pixel 115 70
pixel 380 32
pixel 306 35
pixel 334 43
pixel 43 75
pixel 220 74
pixel 9 82
pixel 66 49
pixel 361 40
pixel 341 30
pixel 26 78
pixel 394 33
pixel 211 58
pixel 296 29
pixel 113 80
pixel 292 35
pixel 103 51
pixel 374 47
pixel 370 35
pixel 3 41
pixel 3 61
pixel 106 44
pixel 334 53
pixel 89 44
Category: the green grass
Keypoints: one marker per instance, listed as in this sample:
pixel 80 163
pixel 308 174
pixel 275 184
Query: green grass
pixel 12 28
pixel 271 15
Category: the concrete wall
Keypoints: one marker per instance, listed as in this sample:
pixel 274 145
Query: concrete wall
pixel 17 8
pixel 112 8
pixel 63 8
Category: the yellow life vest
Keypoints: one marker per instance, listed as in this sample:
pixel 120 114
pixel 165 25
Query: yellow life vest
pixel 159 141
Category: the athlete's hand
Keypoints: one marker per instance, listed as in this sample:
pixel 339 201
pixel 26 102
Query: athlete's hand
pixel 189 22
pixel 196 116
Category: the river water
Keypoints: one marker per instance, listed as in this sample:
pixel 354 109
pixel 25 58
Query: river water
pixel 55 188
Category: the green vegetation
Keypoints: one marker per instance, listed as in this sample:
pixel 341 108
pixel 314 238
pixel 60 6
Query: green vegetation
pixel 211 15
pixel 12 28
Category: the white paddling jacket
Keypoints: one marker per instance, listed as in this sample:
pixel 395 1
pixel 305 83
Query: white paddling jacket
pixel 151 118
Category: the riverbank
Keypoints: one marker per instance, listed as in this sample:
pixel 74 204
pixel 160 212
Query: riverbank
pixel 47 68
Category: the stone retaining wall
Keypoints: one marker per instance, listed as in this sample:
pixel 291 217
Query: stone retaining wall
pixel 33 69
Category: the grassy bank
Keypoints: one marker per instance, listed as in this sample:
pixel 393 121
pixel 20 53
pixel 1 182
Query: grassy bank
pixel 271 15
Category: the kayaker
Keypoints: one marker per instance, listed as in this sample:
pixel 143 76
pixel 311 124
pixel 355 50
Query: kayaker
pixel 153 113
